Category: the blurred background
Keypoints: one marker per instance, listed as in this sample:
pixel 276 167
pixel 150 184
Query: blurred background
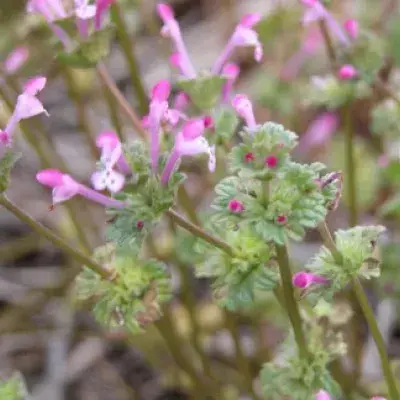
pixel 58 347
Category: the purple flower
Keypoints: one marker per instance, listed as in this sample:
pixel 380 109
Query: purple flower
pixel 172 30
pixel 315 11
pixel 28 105
pixel 84 12
pixel 322 395
pixel 320 131
pixel 305 279
pixel 101 7
pixel 235 206
pixel 111 155
pixel 230 71
pixel 16 59
pixel 189 142
pixel 181 101
pixel 244 108
pixel 242 36
pixel 308 48
pixel 65 187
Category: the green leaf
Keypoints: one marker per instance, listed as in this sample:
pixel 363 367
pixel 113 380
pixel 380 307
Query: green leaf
pixel 13 388
pixel 7 162
pixel 90 52
pixel 226 121
pixel 68 25
pixel 203 91
pixel 391 206
pixel 394 42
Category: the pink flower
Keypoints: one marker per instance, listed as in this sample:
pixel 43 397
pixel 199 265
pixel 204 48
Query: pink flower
pixel 271 161
pixel 28 105
pixel 230 71
pixel 101 7
pixel 308 48
pixel 189 142
pixel 172 30
pixel 16 59
pixel 322 395
pixel 305 279
pixel 242 36
pixel 84 12
pixel 347 72
pixel 378 398
pixel 352 28
pixel 320 131
pixel 244 108
pixel 315 11
pixel 111 155
pixel 281 219
pixel 65 187
pixel 235 206
pixel 181 101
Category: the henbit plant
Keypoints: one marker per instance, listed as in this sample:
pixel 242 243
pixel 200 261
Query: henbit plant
pixel 265 200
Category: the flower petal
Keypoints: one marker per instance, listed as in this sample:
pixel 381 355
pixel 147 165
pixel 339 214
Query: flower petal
pixel 16 59
pixel 115 181
pixel 35 85
pixel 192 147
pixel 28 106
pixel 99 180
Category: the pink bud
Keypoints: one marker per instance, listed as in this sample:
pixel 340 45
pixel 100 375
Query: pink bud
pixel 165 12
pixel 181 101
pixel 16 59
pixel 352 28
pixel 378 398
pixel 140 225
pixel 230 71
pixel 35 85
pixel 271 161
pixel 304 279
pixel 244 108
pixel 176 60
pixel 236 206
pixel 161 91
pixel 50 177
pixel 193 128
pixel 208 122
pixel 281 219
pixel 249 20
pixel 5 139
pixel 249 157
pixel 347 72
pixel 322 395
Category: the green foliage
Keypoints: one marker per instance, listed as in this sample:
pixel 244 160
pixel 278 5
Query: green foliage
pixel 204 91
pixel 385 119
pixel 7 162
pixel 146 200
pixel 13 388
pixel 356 246
pixel 134 298
pixel 394 41
pixel 237 279
pixel 136 155
pixel 88 53
pixel 225 123
pixel 332 93
pixel 268 139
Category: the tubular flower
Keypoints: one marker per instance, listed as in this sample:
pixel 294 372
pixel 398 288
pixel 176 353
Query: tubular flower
pixel 101 8
pixel 315 11
pixel 84 12
pixel 172 30
pixel 65 187
pixel 322 395
pixel 15 60
pixel 111 155
pixel 347 72
pixel 305 279
pixel 352 28
pixel 28 105
pixel 189 142
pixel 242 36
pixel 230 71
pixel 242 104
pixel 320 131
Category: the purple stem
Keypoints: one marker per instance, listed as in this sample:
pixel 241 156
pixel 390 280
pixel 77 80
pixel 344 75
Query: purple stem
pixel 99 198
pixel 83 27
pixel 169 167
pixel 187 66
pixel 61 34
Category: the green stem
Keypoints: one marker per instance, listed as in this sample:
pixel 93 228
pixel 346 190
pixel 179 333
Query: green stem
pixel 199 232
pixel 187 204
pixel 121 100
pixel 376 334
pixel 56 240
pixel 291 304
pixel 328 42
pixel 44 150
pixel 350 167
pixel 127 45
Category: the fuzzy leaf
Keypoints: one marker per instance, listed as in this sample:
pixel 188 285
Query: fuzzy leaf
pixel 7 162
pixel 225 121
pixel 203 91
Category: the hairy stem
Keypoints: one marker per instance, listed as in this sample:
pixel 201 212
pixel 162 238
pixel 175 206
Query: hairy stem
pixel 199 232
pixel 350 167
pixel 291 304
pixel 56 240
pixel 127 47
pixel 113 111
